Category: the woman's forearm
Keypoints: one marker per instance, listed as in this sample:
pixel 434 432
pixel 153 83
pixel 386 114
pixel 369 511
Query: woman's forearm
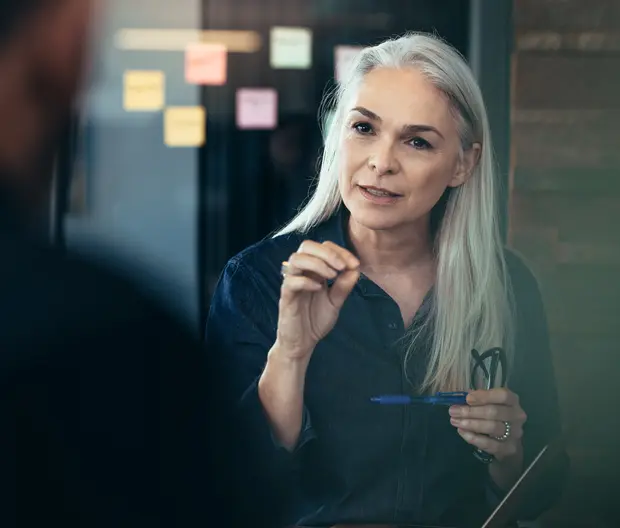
pixel 281 392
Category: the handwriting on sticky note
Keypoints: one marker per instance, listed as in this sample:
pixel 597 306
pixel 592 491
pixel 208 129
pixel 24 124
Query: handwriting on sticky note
pixel 206 64
pixel 185 126
pixel 344 56
pixel 144 90
pixel 257 108
pixel 291 48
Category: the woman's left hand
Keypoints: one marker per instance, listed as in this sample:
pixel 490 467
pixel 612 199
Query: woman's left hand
pixel 482 423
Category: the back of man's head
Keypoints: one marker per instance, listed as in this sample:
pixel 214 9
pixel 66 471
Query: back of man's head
pixel 43 45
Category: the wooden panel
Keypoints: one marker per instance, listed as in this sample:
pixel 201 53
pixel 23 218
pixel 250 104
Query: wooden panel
pixel 585 41
pixel 591 321
pixel 566 15
pixel 560 146
pixel 578 217
pixel 567 82
pixel 564 217
pixel 568 179
pixel 583 284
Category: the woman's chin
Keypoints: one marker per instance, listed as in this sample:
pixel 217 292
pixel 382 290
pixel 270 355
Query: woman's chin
pixel 376 220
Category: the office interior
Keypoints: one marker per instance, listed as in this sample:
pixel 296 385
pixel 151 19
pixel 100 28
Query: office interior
pixel 177 204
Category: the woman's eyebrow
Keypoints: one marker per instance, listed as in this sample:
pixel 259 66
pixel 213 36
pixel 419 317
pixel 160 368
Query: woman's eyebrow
pixel 367 113
pixel 407 129
pixel 414 129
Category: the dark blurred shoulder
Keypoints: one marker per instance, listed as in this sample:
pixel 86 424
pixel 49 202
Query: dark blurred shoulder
pixel 49 297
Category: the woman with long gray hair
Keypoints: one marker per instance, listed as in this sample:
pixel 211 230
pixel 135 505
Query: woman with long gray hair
pixel 377 292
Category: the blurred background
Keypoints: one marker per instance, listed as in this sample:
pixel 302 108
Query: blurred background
pixel 199 135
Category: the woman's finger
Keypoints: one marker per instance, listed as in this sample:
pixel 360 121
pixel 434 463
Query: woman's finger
pixel 499 396
pixel 486 427
pixel 326 252
pixel 500 413
pixel 342 287
pixel 489 445
pixel 303 263
pixel 294 284
pixel 349 258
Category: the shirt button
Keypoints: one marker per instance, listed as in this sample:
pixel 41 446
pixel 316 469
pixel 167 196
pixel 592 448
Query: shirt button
pixel 392 326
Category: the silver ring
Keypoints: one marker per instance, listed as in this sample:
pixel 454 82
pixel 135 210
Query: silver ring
pixel 284 269
pixel 506 434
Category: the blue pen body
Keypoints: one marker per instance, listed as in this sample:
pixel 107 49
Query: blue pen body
pixel 441 398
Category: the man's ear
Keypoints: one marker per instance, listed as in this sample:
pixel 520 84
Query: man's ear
pixel 466 165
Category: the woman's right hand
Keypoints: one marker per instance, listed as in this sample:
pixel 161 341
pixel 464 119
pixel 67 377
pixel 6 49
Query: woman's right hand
pixel 308 307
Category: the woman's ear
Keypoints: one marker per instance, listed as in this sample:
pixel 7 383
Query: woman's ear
pixel 466 165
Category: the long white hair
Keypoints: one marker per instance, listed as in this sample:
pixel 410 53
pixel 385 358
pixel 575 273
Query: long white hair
pixel 472 300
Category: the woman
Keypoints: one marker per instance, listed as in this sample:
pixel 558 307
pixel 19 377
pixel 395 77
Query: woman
pixel 393 272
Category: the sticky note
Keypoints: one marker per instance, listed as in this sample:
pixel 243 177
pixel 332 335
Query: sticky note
pixel 343 60
pixel 291 48
pixel 185 126
pixel 206 64
pixel 257 108
pixel 144 90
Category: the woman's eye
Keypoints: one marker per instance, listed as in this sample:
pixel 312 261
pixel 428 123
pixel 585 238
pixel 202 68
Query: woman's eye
pixel 363 128
pixel 420 143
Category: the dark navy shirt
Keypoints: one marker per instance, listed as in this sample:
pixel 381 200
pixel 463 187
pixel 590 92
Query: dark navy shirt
pixel 357 462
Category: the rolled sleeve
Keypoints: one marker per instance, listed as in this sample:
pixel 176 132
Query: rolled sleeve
pixel 251 407
pixel 241 330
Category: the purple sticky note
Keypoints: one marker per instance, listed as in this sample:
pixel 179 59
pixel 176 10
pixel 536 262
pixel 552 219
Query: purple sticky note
pixel 343 60
pixel 257 108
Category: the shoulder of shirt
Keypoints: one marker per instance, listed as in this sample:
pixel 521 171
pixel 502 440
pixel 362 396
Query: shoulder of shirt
pixel 523 281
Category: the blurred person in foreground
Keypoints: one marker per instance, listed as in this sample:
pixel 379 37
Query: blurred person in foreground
pixel 385 283
pixel 107 409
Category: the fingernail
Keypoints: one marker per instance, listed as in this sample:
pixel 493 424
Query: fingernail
pixel 455 422
pixel 455 411
pixel 471 399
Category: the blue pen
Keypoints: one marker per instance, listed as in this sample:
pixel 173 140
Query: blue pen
pixel 440 398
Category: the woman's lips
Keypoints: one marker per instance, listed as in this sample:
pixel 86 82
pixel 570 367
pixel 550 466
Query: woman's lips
pixel 377 195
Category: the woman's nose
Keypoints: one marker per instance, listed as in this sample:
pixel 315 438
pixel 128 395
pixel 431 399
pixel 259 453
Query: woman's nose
pixel 382 159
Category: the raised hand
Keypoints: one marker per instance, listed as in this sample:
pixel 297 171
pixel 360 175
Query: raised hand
pixel 308 307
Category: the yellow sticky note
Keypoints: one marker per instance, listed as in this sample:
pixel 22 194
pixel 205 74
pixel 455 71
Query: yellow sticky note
pixel 291 48
pixel 144 90
pixel 185 126
pixel 206 64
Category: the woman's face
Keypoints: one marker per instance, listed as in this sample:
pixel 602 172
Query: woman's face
pixel 400 150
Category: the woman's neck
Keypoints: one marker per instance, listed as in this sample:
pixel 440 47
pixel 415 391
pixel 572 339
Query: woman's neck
pixel 392 251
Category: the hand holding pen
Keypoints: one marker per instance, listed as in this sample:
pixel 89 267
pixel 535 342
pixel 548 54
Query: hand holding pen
pixel 491 420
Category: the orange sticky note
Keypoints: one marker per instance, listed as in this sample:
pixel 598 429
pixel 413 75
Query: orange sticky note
pixel 343 59
pixel 257 108
pixel 206 64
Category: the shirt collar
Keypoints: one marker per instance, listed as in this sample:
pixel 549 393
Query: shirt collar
pixel 335 229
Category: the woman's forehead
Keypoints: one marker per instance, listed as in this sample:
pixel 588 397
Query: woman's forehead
pixel 402 95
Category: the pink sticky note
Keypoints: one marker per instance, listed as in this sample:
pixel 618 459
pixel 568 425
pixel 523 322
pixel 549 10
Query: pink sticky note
pixel 206 64
pixel 343 59
pixel 257 108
